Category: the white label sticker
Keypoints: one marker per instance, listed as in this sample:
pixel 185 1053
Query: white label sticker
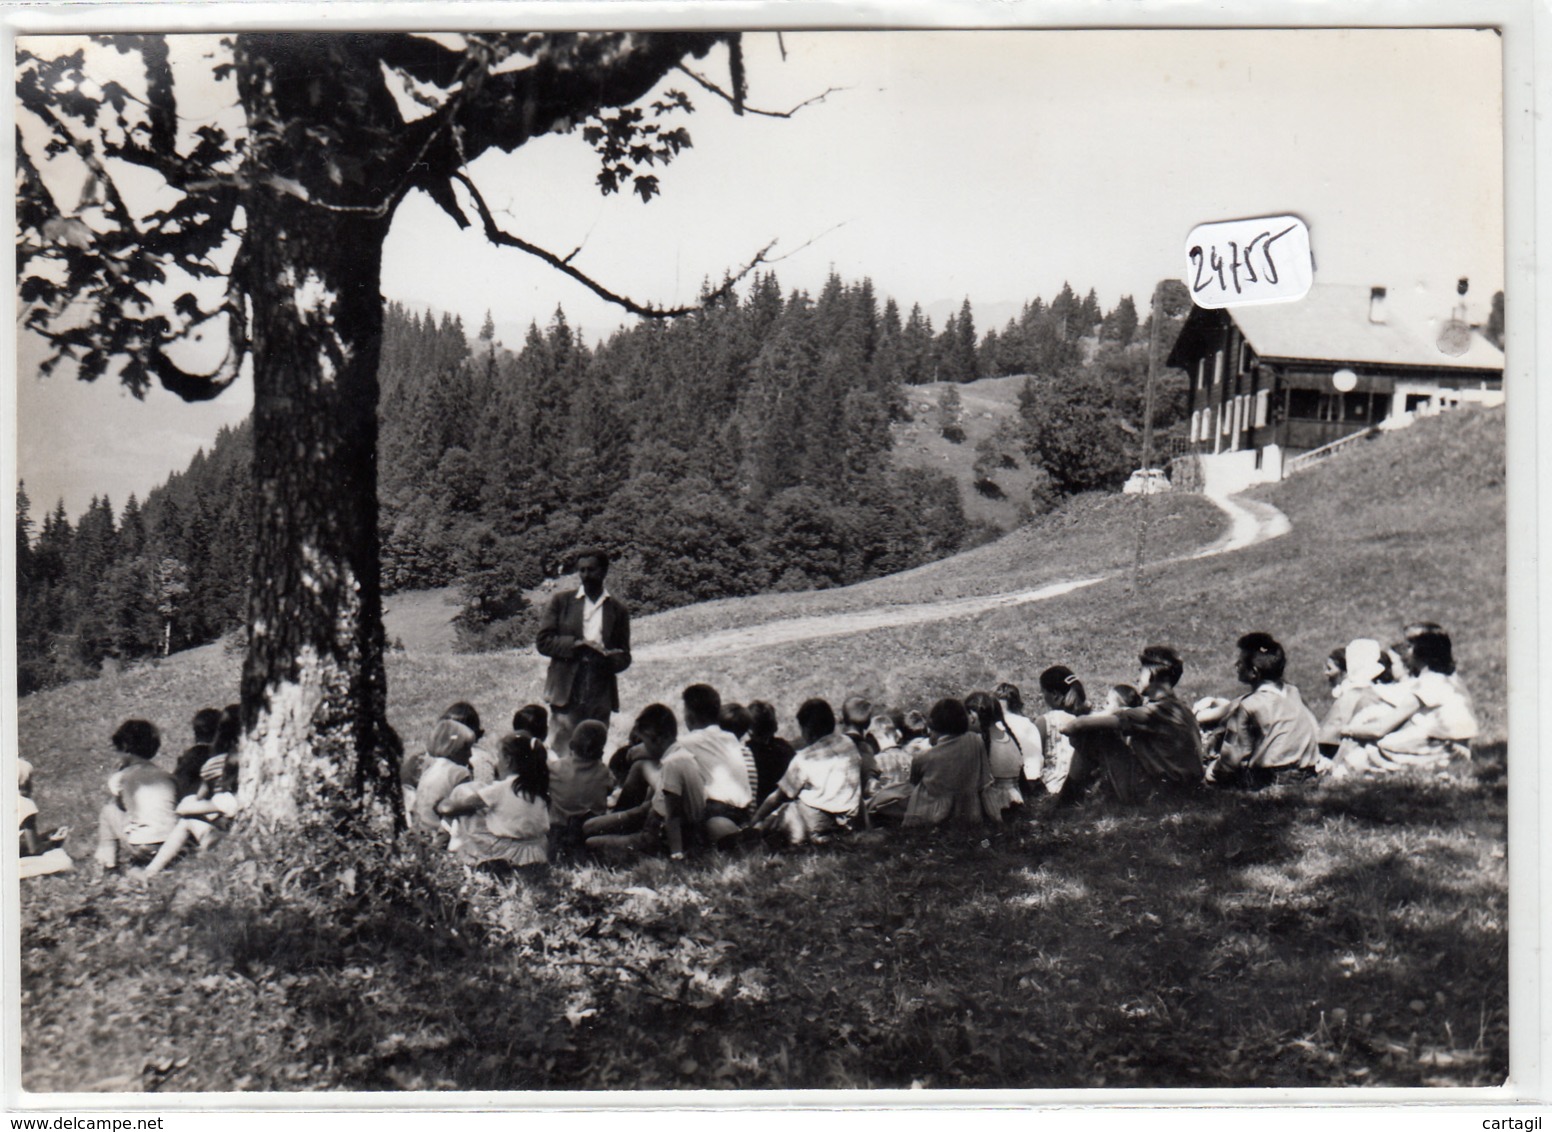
pixel 1237 263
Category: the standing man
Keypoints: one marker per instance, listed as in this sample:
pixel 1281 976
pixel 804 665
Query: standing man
pixel 586 635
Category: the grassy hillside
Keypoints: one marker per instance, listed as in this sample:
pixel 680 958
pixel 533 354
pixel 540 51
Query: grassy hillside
pixel 1093 534
pixel 988 402
pixel 1350 934
pixel 422 620
pixel 1374 545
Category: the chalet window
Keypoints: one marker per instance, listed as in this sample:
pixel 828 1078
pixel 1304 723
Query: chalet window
pixel 1305 405
pixel 1263 402
pixel 1356 407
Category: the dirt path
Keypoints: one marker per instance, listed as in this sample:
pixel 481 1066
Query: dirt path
pixel 1250 522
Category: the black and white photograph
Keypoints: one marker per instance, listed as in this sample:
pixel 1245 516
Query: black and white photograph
pixel 703 560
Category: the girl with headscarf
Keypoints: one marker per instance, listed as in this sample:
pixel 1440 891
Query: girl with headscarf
pixel 1428 719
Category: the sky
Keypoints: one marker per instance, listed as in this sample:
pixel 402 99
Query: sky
pixel 989 165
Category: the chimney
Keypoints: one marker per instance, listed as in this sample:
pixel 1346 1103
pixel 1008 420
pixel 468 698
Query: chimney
pixel 1377 305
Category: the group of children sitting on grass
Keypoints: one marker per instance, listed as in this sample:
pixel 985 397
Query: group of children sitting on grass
pixel 719 775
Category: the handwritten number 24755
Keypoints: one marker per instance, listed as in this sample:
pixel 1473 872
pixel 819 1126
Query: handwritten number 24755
pixel 1224 273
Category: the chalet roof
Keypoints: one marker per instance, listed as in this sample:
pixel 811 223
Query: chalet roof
pixel 1331 323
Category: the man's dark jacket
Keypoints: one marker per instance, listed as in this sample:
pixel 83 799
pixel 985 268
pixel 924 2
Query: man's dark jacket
pixel 560 631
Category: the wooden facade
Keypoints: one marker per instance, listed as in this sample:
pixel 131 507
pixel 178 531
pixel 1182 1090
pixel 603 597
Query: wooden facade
pixel 1241 400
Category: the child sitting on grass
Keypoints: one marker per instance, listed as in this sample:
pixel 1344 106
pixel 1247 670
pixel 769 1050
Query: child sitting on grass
pixel 41 856
pixel 534 721
pixel 1430 720
pixel 677 802
pixel 737 721
pixel 950 777
pixel 892 786
pixel 771 752
pixel 1004 757
pixel 822 789
pixel 856 714
pixel 1163 748
pixel 504 825
pixel 204 816
pixel 1065 700
pixel 1363 687
pixel 192 761
pixel 1269 735
pixel 482 764
pixel 449 749
pixel 580 785
pixel 142 813
pixel 641 762
pixel 1023 729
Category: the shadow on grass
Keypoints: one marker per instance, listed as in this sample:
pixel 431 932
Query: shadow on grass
pixel 1351 933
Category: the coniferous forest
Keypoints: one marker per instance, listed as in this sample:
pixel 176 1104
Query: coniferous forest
pixel 740 449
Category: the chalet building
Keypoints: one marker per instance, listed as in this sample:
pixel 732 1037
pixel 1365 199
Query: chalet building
pixel 1271 382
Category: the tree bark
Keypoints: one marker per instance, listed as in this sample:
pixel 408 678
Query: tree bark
pixel 319 749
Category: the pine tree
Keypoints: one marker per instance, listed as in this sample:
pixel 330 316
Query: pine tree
pixel 916 348
pixel 1088 314
pixel 24 576
pixel 1120 325
pixel 1064 315
pixel 966 362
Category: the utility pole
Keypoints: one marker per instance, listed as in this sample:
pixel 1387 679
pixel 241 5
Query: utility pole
pixel 1156 314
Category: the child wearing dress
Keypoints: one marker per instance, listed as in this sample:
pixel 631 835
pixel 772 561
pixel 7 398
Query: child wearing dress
pixel 1362 689
pixel 1025 732
pixel 950 777
pixel 1005 759
pixel 412 768
pixel 504 825
pixel 1431 720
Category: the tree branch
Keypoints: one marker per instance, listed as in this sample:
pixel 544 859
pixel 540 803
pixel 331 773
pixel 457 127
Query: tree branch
pixel 571 77
pixel 495 234
pixel 741 107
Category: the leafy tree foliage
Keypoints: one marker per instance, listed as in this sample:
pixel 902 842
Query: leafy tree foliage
pixel 265 229
pixel 1083 425
pixel 950 415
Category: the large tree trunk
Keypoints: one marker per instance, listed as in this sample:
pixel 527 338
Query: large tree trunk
pixel 319 749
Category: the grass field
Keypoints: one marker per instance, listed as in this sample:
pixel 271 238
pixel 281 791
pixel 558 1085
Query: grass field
pixel 920 443
pixel 1351 934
